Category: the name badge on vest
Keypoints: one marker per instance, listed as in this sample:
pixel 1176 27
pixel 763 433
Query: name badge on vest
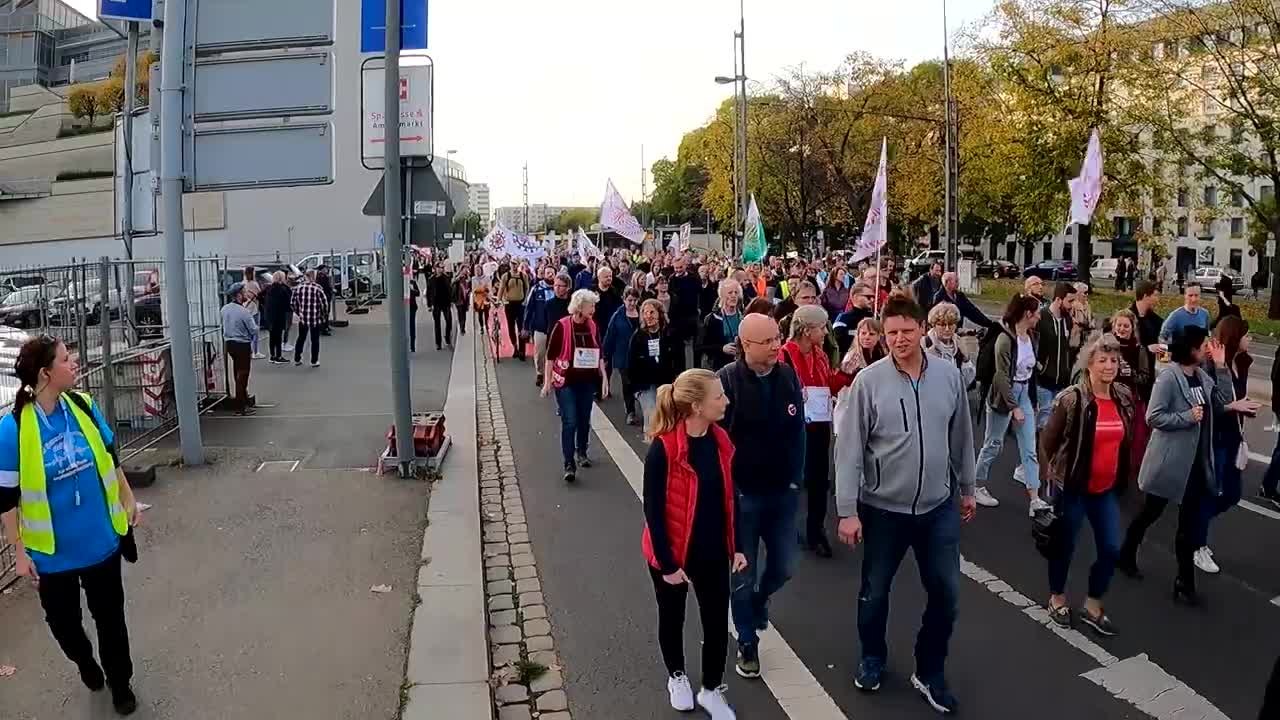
pixel 586 358
pixel 653 348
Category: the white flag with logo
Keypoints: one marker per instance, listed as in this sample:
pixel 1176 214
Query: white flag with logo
pixel 686 232
pixel 501 242
pixel 875 232
pixel 615 216
pixel 586 248
pixel 1087 189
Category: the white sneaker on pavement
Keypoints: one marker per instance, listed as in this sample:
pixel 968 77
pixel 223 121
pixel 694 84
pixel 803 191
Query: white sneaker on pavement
pixel 714 703
pixel 681 692
pixel 985 498
pixel 1020 475
pixel 287 347
pixel 1204 561
pixel 258 356
pixel 1037 505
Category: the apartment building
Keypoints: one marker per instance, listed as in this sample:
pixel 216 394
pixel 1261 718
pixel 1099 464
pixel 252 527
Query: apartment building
pixel 479 202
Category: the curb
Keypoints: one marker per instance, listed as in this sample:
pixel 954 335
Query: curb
pixel 520 633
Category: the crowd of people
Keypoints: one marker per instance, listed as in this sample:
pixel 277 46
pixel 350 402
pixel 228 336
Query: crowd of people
pixel 753 380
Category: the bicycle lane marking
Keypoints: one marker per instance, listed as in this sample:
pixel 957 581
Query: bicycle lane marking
pixel 797 691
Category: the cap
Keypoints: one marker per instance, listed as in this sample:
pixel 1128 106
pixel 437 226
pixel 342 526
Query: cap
pixel 235 289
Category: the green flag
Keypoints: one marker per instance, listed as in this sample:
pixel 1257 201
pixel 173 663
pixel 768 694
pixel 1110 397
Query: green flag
pixel 754 244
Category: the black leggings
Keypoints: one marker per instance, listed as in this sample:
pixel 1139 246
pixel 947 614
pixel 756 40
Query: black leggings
pixel 1184 543
pixel 515 323
pixel 104 594
pixel 817 478
pixel 710 581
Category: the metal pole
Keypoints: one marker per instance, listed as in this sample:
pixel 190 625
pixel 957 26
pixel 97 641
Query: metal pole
pixel 107 395
pixel 391 227
pixel 126 223
pixel 742 70
pixel 184 374
pixel 949 165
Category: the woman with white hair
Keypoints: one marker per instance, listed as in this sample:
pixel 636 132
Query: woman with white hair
pixel 575 368
pixel 805 354
pixel 720 326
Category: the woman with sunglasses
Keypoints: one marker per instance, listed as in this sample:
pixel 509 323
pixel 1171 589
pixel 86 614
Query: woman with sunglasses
pixel 1086 445
pixel 68 508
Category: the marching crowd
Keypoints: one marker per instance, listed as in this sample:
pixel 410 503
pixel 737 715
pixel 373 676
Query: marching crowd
pixel 753 381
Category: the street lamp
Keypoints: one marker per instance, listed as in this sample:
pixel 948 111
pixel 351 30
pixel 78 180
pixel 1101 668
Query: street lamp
pixel 448 191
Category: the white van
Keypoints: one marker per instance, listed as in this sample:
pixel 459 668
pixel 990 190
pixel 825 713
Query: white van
pixel 1104 269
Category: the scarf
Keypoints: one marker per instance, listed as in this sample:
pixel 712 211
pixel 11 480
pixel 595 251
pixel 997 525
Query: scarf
pixel 947 350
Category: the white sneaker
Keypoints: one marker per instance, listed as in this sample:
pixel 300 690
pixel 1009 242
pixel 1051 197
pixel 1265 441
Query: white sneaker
pixel 1204 561
pixel 288 348
pixel 1020 475
pixel 680 691
pixel 259 356
pixel 1037 505
pixel 985 498
pixel 714 703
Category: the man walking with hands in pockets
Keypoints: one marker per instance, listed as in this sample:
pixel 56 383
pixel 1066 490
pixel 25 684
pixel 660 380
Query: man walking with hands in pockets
pixel 905 454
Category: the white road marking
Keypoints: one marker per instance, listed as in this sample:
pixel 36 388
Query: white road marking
pixel 1136 680
pixel 1276 601
pixel 797 691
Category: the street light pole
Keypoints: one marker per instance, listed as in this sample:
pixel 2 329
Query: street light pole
pixel 448 190
pixel 951 221
pixel 742 78
pixel 392 227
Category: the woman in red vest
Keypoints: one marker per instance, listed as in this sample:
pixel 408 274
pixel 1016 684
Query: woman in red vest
pixel 575 370
pixel 688 535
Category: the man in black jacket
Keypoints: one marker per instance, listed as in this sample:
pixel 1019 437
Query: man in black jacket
pixel 950 293
pixel 1149 321
pixel 440 301
pixel 684 287
pixel 765 420
pixel 927 286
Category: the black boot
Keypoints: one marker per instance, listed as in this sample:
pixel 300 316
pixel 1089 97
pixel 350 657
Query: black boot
pixel 1184 591
pixel 91 676
pixel 123 700
pixel 1127 563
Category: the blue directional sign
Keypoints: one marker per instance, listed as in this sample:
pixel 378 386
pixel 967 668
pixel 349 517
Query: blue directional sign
pixel 373 25
pixel 139 10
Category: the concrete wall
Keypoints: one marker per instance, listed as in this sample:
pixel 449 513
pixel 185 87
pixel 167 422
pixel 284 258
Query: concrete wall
pixel 47 159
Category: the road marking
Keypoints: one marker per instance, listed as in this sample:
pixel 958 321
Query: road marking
pixel 1276 601
pixel 287 466
pixel 1136 680
pixel 797 691
pixel 1256 508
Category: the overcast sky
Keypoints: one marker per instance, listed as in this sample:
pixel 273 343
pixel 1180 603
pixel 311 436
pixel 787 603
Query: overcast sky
pixel 576 87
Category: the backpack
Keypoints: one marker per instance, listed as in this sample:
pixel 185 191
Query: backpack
pixel 986 362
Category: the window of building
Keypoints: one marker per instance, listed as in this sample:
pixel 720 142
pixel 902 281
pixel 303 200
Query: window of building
pixel 1236 260
pixel 1210 195
pixel 1011 251
pixel 1046 250
pixel 1182 227
pixel 1071 229
pixel 1210 105
pixel 1122 226
pixel 1206 228
pixel 1237 227
pixel 1171 49
pixel 1182 197
pixel 1237 197
pixel 1066 251
pixel 1208 73
pixel 1266 192
pixel 1237 133
pixel 1157 224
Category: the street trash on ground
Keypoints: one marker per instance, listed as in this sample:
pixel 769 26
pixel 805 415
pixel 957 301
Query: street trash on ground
pixel 380 589
pixel 7 670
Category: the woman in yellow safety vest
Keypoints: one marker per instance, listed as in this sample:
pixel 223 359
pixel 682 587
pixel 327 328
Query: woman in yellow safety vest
pixel 67 509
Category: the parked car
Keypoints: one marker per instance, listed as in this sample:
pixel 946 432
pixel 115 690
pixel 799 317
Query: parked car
pixel 1208 278
pixel 1104 269
pixel 997 269
pixel 27 308
pixel 921 263
pixel 1052 270
pixel 11 283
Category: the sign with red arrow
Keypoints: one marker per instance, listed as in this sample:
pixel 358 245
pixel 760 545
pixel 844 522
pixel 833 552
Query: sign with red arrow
pixel 416 96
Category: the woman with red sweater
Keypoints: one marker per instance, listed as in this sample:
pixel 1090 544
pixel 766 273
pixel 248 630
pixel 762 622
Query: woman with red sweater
pixel 804 353
pixel 688 535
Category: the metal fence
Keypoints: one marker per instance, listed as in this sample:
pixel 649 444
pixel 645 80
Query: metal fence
pixel 122 345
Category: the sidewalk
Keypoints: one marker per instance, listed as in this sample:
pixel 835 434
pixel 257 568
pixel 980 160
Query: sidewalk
pixel 252 598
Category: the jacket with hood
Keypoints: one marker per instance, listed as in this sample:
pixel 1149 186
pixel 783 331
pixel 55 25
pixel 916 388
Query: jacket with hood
pixel 1058 343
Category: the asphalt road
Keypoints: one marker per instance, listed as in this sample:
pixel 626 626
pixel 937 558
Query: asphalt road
pixel 1003 663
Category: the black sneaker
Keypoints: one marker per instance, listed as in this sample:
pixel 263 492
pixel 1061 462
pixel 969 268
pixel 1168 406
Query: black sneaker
pixel 570 474
pixel 583 460
pixel 123 700
pixel 748 665
pixel 297 363
pixel 868 677
pixel 1060 615
pixel 1100 624
pixel 935 693
pixel 538 380
pixel 1271 496
pixel 91 676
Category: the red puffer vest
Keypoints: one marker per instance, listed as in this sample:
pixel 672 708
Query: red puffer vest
pixel 682 493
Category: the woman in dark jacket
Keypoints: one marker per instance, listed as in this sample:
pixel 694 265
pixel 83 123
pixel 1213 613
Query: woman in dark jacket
pixel 1086 445
pixel 720 326
pixel 688 534
pixel 617 346
pixel 835 297
pixel 653 357
pixel 279 300
pixel 1226 296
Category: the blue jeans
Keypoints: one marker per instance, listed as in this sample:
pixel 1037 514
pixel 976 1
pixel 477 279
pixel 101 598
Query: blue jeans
pixel 1044 401
pixel 935 539
pixel 1104 515
pixel 772 519
pixel 1024 432
pixel 575 402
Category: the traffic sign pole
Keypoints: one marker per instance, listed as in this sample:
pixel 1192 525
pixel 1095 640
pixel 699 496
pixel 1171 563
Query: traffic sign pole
pixel 392 225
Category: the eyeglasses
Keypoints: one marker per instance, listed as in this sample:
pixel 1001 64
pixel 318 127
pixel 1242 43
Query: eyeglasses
pixel 775 340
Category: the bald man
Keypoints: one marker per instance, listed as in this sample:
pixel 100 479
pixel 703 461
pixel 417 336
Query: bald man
pixel 765 420
pixel 1034 286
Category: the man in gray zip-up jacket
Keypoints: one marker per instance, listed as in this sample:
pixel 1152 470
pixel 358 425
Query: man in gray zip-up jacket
pixel 905 443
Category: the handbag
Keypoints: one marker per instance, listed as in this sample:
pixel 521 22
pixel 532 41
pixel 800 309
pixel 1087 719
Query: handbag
pixel 1045 523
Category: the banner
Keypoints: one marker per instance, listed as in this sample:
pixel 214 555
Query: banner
pixel 1086 189
pixel 501 242
pixel 754 243
pixel 875 232
pixel 615 216
pixel 586 248
pixel 677 245
pixel 686 232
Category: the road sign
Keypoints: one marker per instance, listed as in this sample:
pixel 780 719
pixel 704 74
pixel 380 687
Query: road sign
pixel 415 112
pixel 373 25
pixel 424 207
pixel 139 10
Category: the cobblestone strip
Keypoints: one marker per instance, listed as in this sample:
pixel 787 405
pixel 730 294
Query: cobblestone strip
pixel 519 629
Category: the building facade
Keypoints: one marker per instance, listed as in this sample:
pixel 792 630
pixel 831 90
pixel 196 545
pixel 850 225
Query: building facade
pixel 541 216
pixel 479 202
pixel 453 176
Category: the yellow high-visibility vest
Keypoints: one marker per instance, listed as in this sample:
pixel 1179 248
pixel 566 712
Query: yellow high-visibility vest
pixel 36 515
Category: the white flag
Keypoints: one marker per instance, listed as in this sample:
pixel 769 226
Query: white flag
pixel 501 242
pixel 586 248
pixel 674 246
pixel 875 232
pixel 615 216
pixel 686 232
pixel 1086 189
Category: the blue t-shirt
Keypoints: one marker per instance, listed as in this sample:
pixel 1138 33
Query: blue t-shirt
pixel 82 530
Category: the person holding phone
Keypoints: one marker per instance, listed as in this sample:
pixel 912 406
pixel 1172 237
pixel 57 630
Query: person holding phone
pixel 68 508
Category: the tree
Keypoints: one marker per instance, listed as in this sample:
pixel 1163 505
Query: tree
pixel 111 95
pixel 145 61
pixel 84 102
pixel 575 218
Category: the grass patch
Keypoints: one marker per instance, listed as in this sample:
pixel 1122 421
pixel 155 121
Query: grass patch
pixel 83 174
pixel 527 670
pixel 90 130
pixel 1105 301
